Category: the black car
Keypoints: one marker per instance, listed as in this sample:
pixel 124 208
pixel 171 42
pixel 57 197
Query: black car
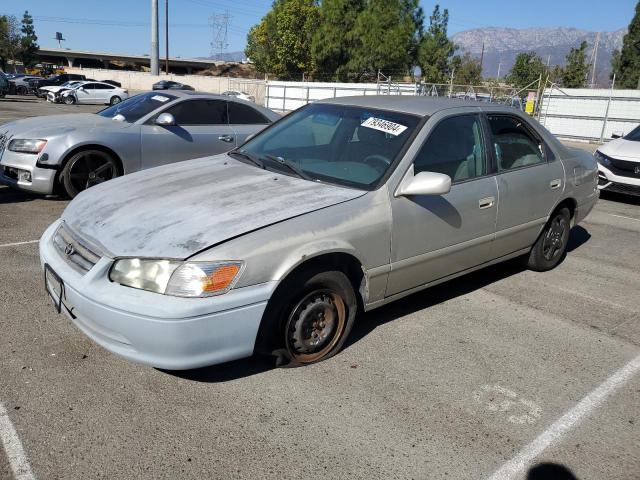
pixel 171 85
pixel 56 80
pixel 112 82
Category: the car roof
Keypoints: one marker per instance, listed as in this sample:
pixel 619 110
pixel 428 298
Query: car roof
pixel 414 105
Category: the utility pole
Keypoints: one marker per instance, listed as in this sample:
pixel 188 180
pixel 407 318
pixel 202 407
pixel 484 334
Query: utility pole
pixel 481 58
pixel 594 60
pixel 166 36
pixel 155 53
pixel 499 66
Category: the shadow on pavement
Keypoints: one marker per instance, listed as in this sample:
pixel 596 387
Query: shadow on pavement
pixel 619 197
pixel 550 471
pixel 578 237
pixel 10 195
pixel 226 372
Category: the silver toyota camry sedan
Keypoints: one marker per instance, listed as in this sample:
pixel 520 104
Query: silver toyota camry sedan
pixel 342 206
pixel 69 153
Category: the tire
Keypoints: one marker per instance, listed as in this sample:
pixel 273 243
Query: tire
pixel 309 318
pixel 86 169
pixel 551 246
pixel 115 100
pixel 69 100
pixel 21 90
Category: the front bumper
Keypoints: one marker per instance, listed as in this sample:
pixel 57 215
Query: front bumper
pixel 610 182
pixel 158 330
pixel 42 179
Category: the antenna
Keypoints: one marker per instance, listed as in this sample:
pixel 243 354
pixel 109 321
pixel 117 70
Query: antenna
pixel 594 60
pixel 219 32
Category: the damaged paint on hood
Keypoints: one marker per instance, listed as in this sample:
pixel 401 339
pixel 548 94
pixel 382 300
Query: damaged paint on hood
pixel 177 210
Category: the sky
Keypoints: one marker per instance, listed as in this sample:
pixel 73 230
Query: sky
pixel 122 26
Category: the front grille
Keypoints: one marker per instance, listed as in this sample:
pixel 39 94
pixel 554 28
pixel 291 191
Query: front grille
pixel 4 138
pixel 76 253
pixel 625 168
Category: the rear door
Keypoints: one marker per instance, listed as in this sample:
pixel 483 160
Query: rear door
pixel 201 130
pixel 245 120
pixel 102 92
pixel 530 181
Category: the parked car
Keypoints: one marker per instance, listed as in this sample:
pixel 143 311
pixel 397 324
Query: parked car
pixel 240 95
pixel 22 83
pixel 4 84
pixel 619 164
pixel 97 93
pixel 171 85
pixel 72 152
pixel 55 81
pixel 112 82
pixel 55 89
pixel 343 205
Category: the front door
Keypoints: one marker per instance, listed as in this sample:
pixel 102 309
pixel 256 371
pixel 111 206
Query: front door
pixel 436 236
pixel 201 130
pixel 85 93
pixel 530 182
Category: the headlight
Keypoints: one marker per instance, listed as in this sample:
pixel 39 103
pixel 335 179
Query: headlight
pixel 602 159
pixel 180 279
pixel 26 145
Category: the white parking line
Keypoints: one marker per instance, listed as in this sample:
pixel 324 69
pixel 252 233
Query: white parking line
pixel 13 448
pixel 622 216
pixel 18 243
pixel 569 420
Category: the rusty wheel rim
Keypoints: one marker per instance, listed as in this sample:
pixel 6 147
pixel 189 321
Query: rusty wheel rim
pixel 315 325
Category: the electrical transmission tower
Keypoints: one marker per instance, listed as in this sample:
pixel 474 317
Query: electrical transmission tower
pixel 219 32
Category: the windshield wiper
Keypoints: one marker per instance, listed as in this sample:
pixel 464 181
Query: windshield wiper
pixel 291 166
pixel 251 158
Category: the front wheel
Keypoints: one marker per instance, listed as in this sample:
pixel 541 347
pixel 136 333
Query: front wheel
pixel 69 100
pixel 551 246
pixel 21 90
pixel 86 169
pixel 314 314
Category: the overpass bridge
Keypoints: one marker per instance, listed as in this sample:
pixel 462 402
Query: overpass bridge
pixel 88 59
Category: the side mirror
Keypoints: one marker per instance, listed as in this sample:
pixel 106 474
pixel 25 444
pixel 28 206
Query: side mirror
pixel 616 135
pixel 425 183
pixel 165 120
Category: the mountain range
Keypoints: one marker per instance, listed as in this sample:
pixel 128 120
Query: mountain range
pixel 501 45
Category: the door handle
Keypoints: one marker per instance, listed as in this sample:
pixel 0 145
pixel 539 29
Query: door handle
pixel 486 202
pixel 553 184
pixel 226 138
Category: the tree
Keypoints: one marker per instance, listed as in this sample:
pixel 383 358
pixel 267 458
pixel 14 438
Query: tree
pixel 626 65
pixel 334 39
pixel 574 74
pixel 526 70
pixel 435 48
pixel 384 37
pixel 28 43
pixel 281 42
pixel 9 39
pixel 466 70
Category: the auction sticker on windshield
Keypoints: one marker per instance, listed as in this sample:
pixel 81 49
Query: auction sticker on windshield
pixel 384 125
pixel 159 98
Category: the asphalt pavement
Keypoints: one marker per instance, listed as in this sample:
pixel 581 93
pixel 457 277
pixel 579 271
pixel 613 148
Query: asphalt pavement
pixel 475 378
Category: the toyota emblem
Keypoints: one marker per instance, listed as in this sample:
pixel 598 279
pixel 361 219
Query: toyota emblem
pixel 636 170
pixel 69 250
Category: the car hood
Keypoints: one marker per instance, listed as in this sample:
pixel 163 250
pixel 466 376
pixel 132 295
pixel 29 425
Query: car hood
pixel 178 210
pixel 622 149
pixel 54 125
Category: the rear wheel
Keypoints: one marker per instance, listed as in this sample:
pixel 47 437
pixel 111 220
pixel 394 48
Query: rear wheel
pixel 313 315
pixel 551 246
pixel 86 169
pixel 21 90
pixel 115 100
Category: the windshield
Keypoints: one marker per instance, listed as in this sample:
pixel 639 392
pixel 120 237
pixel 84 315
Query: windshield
pixel 633 135
pixel 346 145
pixel 138 106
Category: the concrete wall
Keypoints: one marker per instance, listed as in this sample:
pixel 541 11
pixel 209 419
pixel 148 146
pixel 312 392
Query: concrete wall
pixel 143 81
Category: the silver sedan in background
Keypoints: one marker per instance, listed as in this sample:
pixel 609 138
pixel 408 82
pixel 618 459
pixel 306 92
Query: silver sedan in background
pixel 69 153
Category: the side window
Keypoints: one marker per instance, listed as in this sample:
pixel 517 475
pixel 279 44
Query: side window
pixel 455 147
pixel 88 86
pixel 102 86
pixel 514 144
pixel 200 112
pixel 240 114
